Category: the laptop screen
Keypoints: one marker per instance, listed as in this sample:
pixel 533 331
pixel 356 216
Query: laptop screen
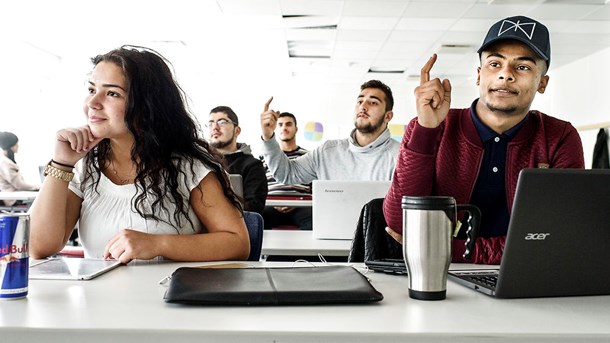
pixel 559 235
pixel 336 205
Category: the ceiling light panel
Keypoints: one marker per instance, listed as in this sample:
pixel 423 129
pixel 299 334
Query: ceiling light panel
pixel 310 22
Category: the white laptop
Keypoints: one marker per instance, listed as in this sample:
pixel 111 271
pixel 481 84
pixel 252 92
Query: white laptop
pixel 336 205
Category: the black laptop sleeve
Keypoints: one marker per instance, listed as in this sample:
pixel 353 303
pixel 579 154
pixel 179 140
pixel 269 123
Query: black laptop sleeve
pixel 270 286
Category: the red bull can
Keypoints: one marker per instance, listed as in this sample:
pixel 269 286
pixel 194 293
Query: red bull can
pixel 14 255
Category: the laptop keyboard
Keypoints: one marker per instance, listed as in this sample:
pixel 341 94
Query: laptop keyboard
pixel 481 278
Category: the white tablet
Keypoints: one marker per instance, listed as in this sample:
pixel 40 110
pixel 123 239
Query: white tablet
pixel 67 268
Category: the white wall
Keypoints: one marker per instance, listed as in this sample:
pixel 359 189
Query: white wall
pixel 578 92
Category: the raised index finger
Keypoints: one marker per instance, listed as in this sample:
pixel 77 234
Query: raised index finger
pixel 425 71
pixel 267 104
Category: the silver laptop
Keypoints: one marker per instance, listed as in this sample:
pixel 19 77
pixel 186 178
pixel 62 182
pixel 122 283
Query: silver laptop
pixel 336 205
pixel 558 241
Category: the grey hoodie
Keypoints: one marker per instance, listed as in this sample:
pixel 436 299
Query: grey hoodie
pixel 339 159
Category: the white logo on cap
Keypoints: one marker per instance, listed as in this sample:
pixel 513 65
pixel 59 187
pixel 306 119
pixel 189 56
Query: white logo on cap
pixel 526 28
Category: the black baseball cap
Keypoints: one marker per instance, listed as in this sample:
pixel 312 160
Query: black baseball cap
pixel 526 30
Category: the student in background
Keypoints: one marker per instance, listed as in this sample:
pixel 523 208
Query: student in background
pixel 223 129
pixel 369 153
pixel 277 216
pixel 11 179
pixel 475 154
pixel 146 185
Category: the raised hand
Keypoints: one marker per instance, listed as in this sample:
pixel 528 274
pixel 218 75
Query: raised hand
pixel 72 144
pixel 432 97
pixel 268 120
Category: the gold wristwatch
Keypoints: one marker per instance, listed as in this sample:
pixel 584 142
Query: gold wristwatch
pixel 57 173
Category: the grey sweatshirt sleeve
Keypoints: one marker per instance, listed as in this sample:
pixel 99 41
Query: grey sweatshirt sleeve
pixel 298 170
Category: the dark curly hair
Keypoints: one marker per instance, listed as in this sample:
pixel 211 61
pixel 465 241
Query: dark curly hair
pixel 166 136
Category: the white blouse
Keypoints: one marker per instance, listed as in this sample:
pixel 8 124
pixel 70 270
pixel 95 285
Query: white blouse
pixel 109 209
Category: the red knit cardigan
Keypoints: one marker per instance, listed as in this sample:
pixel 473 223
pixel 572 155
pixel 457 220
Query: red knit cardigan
pixel 446 161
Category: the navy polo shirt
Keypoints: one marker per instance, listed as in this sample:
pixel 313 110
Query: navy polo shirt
pixel 489 192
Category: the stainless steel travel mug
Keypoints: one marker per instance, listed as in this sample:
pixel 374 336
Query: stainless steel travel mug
pixel 427 226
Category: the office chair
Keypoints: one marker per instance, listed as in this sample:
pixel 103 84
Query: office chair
pixel 371 242
pixel 254 222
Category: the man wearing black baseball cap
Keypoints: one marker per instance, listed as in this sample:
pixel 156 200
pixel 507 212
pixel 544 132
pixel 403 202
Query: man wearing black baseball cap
pixel 475 154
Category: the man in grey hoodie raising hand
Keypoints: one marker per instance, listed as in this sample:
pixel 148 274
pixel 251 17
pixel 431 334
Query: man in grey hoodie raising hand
pixel 369 153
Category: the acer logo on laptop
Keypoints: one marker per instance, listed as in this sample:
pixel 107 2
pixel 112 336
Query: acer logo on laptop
pixel 536 236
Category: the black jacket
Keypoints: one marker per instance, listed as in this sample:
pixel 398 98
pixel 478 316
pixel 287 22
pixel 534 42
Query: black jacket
pixel 601 160
pixel 253 174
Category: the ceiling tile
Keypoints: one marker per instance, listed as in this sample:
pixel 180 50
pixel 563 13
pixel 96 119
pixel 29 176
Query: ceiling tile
pixel 415 36
pixel 363 35
pixel 437 9
pixel 382 8
pixel 311 34
pixel 258 7
pixel 310 7
pixel 496 11
pixel 425 24
pixel 367 23
pixel 562 11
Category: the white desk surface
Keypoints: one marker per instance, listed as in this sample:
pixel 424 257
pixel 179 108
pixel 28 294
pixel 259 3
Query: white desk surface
pixel 302 243
pixel 21 195
pixel 287 203
pixel 126 305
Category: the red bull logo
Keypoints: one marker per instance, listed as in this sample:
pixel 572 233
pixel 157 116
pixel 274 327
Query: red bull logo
pixel 14 255
pixel 14 249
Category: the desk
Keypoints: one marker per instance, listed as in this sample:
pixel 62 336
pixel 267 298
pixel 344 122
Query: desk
pixel 25 196
pixel 287 203
pixel 302 243
pixel 126 305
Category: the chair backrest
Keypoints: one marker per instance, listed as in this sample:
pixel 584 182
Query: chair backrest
pixel 371 242
pixel 254 222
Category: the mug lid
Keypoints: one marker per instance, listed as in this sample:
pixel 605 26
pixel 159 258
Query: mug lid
pixel 427 202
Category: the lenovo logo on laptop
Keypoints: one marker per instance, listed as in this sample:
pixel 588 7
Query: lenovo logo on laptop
pixel 333 190
pixel 536 236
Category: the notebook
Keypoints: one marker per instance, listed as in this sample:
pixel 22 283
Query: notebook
pixel 558 241
pixel 336 205
pixel 67 268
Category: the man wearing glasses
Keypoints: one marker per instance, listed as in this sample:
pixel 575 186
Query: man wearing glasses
pixel 223 128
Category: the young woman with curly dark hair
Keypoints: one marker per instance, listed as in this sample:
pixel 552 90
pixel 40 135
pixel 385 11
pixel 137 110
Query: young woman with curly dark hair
pixel 146 185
